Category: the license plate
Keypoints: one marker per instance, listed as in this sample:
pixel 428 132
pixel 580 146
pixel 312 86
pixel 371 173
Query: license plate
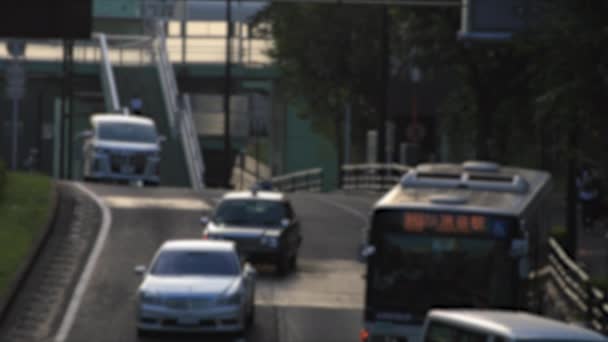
pixel 188 321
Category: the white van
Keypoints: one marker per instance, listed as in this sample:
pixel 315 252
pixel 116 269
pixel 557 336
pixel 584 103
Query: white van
pixel 463 325
pixel 122 148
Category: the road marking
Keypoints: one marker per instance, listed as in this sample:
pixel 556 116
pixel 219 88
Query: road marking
pixel 354 212
pixel 348 209
pixel 324 284
pixel 106 221
pixel 177 203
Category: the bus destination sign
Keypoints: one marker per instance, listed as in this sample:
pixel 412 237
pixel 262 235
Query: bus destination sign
pixel 447 223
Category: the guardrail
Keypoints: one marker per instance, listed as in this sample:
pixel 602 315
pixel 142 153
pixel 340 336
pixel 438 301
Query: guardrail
pixel 588 302
pixel 307 180
pixel 374 177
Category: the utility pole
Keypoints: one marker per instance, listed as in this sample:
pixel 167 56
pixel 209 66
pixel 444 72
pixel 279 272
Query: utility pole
pixel 227 93
pixel 65 98
pixel 571 194
pixel 15 91
pixel 384 85
pixel 69 84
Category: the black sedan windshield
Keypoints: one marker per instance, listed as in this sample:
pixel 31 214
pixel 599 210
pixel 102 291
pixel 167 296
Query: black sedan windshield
pixel 251 212
pixel 188 263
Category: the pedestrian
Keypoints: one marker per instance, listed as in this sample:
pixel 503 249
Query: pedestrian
pixel 588 195
pixel 136 105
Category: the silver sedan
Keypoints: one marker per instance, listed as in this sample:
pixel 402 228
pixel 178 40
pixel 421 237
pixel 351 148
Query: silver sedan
pixel 196 286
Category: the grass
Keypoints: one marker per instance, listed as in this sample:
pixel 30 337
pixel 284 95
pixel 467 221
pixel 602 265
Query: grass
pixel 24 210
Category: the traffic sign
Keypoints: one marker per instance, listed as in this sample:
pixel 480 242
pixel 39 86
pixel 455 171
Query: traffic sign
pixel 46 19
pixel 497 19
pixel 16 47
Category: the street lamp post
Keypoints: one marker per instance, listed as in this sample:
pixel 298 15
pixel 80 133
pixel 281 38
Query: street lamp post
pixel 414 131
pixel 227 93
pixel 415 77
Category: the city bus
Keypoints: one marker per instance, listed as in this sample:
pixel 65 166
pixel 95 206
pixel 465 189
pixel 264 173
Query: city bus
pixel 453 235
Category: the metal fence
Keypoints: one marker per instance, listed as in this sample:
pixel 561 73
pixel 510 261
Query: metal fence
pixel 374 177
pixel 588 303
pixel 307 180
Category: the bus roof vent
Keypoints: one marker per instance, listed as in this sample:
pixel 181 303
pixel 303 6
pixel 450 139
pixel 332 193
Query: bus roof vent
pixel 479 181
pixel 448 199
pixel 480 166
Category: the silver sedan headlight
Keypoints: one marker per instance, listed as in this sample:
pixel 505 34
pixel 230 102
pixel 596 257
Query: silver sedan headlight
pixel 99 150
pixel 231 299
pixel 150 298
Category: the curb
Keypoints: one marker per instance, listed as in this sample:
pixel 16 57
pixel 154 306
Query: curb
pixel 26 267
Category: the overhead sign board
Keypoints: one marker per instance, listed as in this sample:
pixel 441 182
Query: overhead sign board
pixel 44 19
pixel 497 19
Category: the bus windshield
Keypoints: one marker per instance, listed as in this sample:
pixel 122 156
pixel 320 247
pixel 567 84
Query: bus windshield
pixel 413 272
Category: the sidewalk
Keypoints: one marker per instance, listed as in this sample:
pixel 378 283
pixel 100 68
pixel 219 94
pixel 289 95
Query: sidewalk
pixel 592 251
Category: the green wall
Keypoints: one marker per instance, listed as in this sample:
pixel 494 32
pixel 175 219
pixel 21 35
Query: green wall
pixel 307 149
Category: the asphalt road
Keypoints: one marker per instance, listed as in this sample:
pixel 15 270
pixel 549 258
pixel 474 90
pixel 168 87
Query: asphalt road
pixel 321 301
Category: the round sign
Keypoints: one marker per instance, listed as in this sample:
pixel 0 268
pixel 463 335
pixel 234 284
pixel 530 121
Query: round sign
pixel 16 48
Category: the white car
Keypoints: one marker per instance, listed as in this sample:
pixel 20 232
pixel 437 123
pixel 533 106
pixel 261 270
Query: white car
pixel 471 325
pixel 122 148
pixel 196 286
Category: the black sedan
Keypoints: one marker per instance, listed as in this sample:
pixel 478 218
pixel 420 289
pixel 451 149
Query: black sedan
pixel 262 224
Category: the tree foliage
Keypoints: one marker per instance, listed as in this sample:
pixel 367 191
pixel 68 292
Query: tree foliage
pixel 531 100
pixel 328 56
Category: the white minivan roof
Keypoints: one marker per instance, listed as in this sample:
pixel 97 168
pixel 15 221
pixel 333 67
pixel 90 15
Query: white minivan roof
pixel 118 118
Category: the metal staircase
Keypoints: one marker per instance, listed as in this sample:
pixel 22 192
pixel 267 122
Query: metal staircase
pixel 110 90
pixel 177 107
pixel 179 113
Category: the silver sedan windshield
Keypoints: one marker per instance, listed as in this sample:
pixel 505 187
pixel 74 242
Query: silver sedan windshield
pixel 189 263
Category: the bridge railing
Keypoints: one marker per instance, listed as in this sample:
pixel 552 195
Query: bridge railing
pixel 586 301
pixel 373 177
pixel 307 180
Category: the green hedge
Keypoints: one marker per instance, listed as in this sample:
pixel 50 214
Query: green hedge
pixel 24 210
pixel 2 177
